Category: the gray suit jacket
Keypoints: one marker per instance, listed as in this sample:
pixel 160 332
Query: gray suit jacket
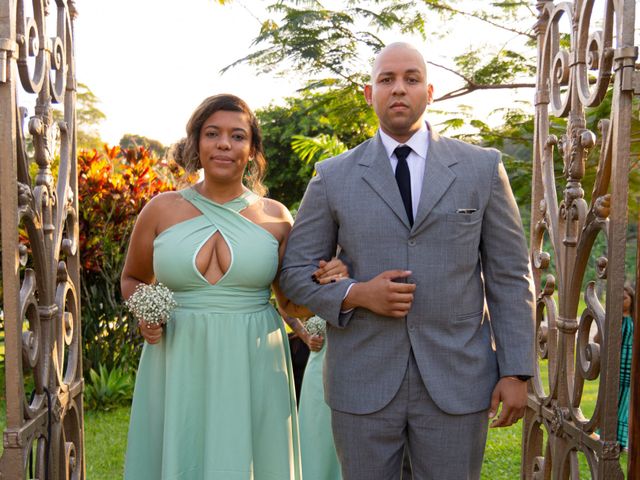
pixel 472 319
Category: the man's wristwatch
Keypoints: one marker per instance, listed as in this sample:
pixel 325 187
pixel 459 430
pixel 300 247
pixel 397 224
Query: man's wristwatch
pixel 522 378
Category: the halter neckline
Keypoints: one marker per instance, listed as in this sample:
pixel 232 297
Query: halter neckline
pixel 246 198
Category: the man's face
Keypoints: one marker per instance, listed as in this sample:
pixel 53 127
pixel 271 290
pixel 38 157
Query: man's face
pixel 399 92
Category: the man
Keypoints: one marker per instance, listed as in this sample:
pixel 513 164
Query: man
pixel 436 327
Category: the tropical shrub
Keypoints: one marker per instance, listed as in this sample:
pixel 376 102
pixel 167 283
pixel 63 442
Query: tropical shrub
pixel 106 389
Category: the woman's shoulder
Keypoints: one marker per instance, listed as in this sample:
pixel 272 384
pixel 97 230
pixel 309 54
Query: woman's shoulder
pixel 276 209
pixel 162 203
pixel 163 210
pixel 164 199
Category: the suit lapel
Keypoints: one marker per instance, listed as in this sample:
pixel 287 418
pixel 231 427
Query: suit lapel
pixel 438 177
pixel 379 176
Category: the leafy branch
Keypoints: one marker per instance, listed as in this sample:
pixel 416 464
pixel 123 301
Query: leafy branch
pixel 318 41
pixel 484 17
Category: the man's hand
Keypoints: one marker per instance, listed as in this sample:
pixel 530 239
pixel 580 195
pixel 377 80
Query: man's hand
pixel 512 392
pixel 383 295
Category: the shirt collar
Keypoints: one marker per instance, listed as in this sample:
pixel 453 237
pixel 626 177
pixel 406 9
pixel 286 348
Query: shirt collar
pixel 419 142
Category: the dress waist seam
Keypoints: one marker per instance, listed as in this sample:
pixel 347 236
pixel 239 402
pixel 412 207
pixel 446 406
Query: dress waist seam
pixel 223 310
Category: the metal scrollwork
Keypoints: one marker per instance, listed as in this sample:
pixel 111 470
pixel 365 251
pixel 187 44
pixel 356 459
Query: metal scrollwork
pixel 38 180
pixel 584 55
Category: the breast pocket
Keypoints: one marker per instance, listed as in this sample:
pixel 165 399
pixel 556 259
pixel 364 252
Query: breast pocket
pixel 463 231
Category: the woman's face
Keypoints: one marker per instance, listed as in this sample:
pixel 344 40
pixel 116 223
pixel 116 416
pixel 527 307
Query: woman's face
pixel 225 145
pixel 626 303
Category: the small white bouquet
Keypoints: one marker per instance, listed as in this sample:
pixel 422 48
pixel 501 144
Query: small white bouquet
pixel 151 303
pixel 316 326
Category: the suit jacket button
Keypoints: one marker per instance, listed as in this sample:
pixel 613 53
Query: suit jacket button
pixel 412 243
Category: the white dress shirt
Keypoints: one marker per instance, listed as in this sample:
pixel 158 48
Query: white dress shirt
pixel 416 160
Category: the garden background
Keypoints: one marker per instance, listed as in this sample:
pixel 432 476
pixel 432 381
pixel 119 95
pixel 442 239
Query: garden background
pixel 323 115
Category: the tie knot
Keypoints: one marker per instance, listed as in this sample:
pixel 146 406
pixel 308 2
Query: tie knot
pixel 402 152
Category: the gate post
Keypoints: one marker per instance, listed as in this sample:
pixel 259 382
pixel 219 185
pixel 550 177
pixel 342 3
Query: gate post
pixel 40 259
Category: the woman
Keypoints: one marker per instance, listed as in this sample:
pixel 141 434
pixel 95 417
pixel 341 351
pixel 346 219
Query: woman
pixel 214 396
pixel 317 449
pixel 626 346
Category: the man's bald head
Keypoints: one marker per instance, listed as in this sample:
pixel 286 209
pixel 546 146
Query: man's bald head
pixel 399 92
pixel 395 49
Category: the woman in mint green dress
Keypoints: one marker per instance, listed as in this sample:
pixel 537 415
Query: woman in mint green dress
pixel 214 396
pixel 318 451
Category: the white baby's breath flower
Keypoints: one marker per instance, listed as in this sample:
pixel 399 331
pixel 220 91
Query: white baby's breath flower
pixel 151 303
pixel 316 326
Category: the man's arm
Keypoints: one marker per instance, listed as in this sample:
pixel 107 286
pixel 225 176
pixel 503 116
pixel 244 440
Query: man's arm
pixel 314 238
pixel 510 298
pixel 507 277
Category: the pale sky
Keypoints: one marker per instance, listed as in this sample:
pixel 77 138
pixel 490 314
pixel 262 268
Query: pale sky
pixel 151 62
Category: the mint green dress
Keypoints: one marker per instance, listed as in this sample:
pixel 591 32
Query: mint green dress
pixel 214 399
pixel 319 457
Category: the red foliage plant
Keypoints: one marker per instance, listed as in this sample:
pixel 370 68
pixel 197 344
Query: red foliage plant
pixel 113 186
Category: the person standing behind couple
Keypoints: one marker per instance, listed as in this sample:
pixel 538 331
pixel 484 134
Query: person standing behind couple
pixel 436 327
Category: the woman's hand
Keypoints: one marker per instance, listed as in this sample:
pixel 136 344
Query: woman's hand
pixel 314 342
pixel 152 332
pixel 330 272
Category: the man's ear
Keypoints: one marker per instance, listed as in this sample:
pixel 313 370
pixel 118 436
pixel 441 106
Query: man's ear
pixel 429 93
pixel 367 94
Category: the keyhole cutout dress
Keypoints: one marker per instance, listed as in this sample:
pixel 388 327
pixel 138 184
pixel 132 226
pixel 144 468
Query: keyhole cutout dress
pixel 215 398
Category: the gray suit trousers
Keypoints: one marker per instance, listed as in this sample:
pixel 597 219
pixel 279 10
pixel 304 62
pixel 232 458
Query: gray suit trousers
pixel 441 446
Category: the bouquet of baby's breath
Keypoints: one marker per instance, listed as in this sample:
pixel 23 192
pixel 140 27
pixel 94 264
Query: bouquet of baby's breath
pixel 151 303
pixel 316 326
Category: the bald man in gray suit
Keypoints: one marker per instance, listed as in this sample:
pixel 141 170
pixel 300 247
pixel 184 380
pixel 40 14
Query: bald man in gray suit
pixel 435 329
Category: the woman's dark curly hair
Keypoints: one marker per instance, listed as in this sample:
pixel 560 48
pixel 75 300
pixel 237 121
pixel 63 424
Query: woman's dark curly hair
pixel 185 152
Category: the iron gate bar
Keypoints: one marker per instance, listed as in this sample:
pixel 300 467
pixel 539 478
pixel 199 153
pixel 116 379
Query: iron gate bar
pixel 568 81
pixel 40 259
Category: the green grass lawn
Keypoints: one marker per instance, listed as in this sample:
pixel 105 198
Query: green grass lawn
pixel 106 434
pixel 105 440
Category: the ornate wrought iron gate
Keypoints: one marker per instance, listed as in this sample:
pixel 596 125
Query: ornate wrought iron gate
pixel 40 267
pixel 582 53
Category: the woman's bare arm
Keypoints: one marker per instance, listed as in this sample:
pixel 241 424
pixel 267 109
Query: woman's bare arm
pixel 138 265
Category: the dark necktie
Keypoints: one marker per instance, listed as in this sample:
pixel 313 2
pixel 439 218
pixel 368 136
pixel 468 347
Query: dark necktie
pixel 404 179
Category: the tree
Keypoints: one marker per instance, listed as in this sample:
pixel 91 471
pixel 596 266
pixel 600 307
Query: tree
pixel 132 140
pixel 310 115
pixel 88 118
pixel 328 45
